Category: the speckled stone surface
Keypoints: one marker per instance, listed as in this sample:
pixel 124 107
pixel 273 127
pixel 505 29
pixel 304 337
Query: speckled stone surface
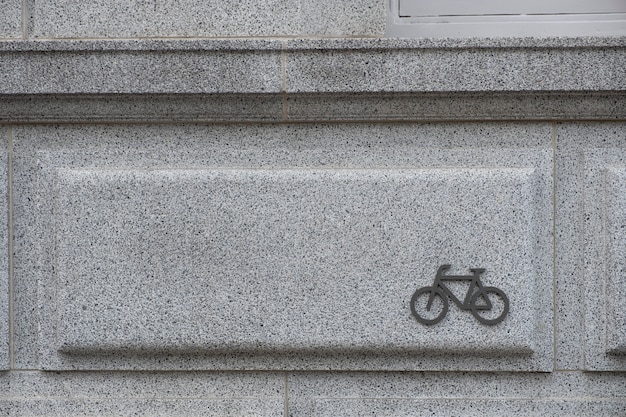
pixel 369 160
pixel 62 407
pixel 319 44
pixel 311 107
pixel 403 407
pixel 599 161
pixel 445 394
pixel 615 183
pixel 146 45
pixel 143 108
pixel 10 19
pixel 554 225
pixel 237 66
pixel 451 106
pixel 569 247
pixel 352 69
pixel 307 67
pixel 28 393
pixel 286 259
pixel 299 394
pixel 592 159
pixel 4 249
pixel 193 18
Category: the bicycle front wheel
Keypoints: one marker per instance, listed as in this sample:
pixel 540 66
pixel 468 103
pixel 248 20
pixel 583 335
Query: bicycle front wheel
pixel 428 305
pixel 490 305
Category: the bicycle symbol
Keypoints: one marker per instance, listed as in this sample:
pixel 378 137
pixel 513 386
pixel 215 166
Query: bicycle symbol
pixel 489 305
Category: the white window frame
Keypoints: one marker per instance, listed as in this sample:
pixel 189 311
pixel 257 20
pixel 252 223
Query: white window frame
pixel 505 18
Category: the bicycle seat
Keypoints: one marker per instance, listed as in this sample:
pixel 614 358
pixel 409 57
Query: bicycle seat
pixel 479 270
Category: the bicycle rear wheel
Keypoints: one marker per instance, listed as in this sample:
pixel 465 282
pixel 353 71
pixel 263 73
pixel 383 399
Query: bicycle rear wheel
pixel 489 305
pixel 425 313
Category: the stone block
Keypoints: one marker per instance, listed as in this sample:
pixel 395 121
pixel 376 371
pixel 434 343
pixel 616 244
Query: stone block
pixel 141 67
pixel 403 407
pixel 11 19
pixel 283 246
pixel 388 65
pixel 137 393
pixel 443 394
pixel 193 18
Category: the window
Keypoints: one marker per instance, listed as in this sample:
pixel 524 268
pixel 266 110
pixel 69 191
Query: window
pixel 497 18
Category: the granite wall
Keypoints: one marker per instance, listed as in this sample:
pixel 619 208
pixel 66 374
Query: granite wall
pixel 228 209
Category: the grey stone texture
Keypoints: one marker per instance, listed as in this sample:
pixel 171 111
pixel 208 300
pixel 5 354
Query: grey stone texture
pixel 449 106
pixel 570 288
pixel 342 66
pixel 27 393
pixel 10 19
pixel 145 108
pixel 591 282
pixel 276 107
pixel 306 80
pixel 468 394
pixel 133 67
pixel 301 159
pixel 261 107
pixel 310 66
pixel 283 251
pixel 54 19
pixel 4 249
pixel 277 235
pixel 616 280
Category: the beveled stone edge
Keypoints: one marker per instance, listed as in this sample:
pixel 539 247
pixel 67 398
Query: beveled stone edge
pixel 336 107
pixel 146 45
pixel 457 106
pixel 615 343
pixel 98 108
pixel 300 43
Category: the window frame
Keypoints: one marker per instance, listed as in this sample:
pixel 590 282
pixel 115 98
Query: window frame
pixel 466 24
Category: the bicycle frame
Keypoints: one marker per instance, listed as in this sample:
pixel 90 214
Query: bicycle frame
pixel 478 300
pixel 475 285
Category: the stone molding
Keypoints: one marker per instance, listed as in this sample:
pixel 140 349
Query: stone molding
pixel 313 80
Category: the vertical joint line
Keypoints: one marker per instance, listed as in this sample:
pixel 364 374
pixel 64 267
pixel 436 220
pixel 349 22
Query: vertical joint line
pixel 286 397
pixel 10 248
pixel 554 254
pixel 24 19
pixel 283 76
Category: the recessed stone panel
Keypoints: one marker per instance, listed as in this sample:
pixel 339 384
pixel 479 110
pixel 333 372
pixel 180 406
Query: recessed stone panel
pixel 282 247
pixel 286 260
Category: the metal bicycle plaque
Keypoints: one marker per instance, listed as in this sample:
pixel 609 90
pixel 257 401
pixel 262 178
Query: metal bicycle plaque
pixel 489 305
